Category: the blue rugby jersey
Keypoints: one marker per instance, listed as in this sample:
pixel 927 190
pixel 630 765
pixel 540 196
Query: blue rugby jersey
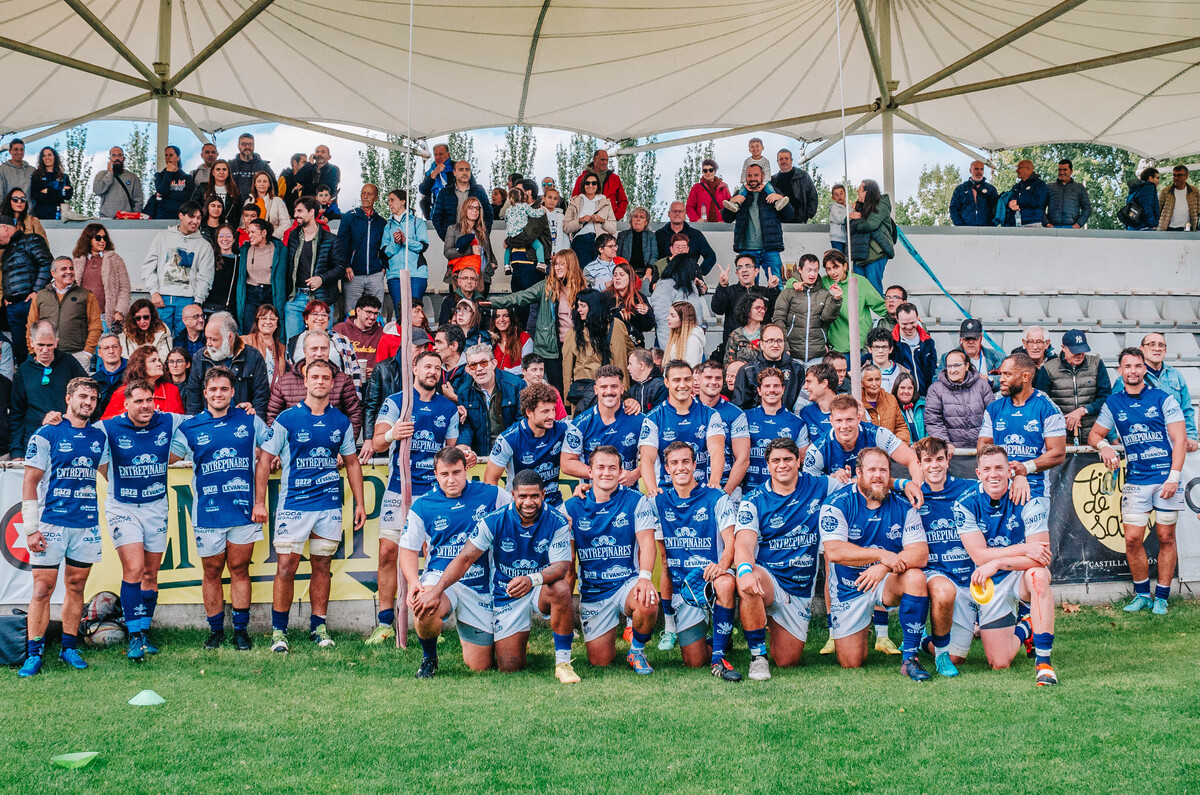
pixel 137 472
pixel 845 517
pixel 946 553
pixel 516 550
pixel 735 428
pixel 690 528
pixel 827 455
pixel 1002 522
pixel 435 424
pixel 787 530
pixel 1141 421
pixel 517 449
pixel 816 424
pixel 664 425
pixel 223 453
pixel 587 431
pixel 605 535
pixel 68 457
pixel 445 523
pixel 308 446
pixel 1023 430
pixel 764 428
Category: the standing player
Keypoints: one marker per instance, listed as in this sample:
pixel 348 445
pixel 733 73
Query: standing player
pixel 1010 545
pixel 776 554
pixel 613 531
pixel 768 421
pixel 530 556
pixel 605 423
pixel 139 448
pixel 535 443
pixel 821 385
pixel 433 426
pixel 221 442
pixel 695 528
pixel 1027 424
pixel 308 438
pixel 1151 425
pixel 443 518
pixel 61 520
pixel 710 379
pixel 876 548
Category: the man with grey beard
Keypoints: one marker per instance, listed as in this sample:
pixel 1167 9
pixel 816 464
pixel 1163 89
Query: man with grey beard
pixel 223 347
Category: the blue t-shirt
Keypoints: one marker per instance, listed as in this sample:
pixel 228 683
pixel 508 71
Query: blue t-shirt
pixel 137 473
pixel 1023 430
pixel 446 522
pixel 517 449
pixel 816 424
pixel 587 432
pixel 223 452
pixel 764 428
pixel 735 428
pixel 605 535
pixel 1002 522
pixel 845 517
pixel 787 530
pixel 68 457
pixel 308 446
pixel 517 550
pixel 1142 422
pixel 827 454
pixel 946 553
pixel 435 424
pixel 690 528
pixel 664 425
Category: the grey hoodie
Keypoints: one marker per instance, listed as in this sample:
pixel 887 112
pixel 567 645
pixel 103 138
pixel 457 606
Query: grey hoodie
pixel 179 265
pixel 14 176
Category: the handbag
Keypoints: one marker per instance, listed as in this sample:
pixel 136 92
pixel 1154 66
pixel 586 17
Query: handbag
pixel 1132 214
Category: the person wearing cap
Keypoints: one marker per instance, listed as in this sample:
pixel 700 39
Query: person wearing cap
pixel 985 358
pixel 24 270
pixel 1078 383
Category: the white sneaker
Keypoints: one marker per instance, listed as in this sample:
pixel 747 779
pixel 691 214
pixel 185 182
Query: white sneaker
pixel 759 670
pixel 731 205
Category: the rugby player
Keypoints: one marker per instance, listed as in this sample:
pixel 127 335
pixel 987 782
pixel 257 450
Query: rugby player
pixel 308 438
pixel 443 518
pixel 221 442
pixel 876 548
pixel 1010 545
pixel 612 528
pixel 433 426
pixel 776 546
pixel 767 421
pixel 535 443
pixel 821 386
pixel 61 520
pixel 605 423
pixel 1150 423
pixel 530 554
pixel 710 380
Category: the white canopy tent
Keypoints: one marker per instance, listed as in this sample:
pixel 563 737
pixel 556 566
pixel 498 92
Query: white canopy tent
pixel 1119 72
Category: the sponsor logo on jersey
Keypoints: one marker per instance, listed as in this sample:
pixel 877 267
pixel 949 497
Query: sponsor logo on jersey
pixel 507 545
pixel 240 432
pixel 1032 426
pixel 124 443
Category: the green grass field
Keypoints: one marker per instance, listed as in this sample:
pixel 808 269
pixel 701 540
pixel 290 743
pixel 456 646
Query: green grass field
pixel 352 719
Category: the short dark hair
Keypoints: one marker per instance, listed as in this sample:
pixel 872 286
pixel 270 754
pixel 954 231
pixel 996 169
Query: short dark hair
pixel 782 443
pixel 82 382
pixel 454 336
pixel 833 255
pixel 809 258
pixel 399 193
pixel 907 307
pixel 824 373
pixel 879 335
pixel 219 372
pixel 1022 361
pixel 189 208
pixel 930 446
pixel 425 354
pixel 450 456
pixel 900 287
pixel 532 358
pixel 1130 352
pixel 1066 161
pixel 675 364
pixel 606 449
pixel 603 239
pixel 246 135
pixel 368 301
pixel 251 207
pixel 319 364
pixel 991 449
pixel 679 445
pixel 321 187
pixel 1147 173
pixel 742 312
pixel 535 395
pixel 309 203
pixel 526 477
pixel 1180 167
pixel 608 371
pixel 708 364
pixel 138 383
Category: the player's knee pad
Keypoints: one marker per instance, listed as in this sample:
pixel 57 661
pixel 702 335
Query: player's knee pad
pixel 1136 519
pixel 1166 517
pixel 289 547
pixel 322 547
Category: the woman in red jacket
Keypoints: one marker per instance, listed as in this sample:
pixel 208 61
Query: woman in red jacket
pixel 145 364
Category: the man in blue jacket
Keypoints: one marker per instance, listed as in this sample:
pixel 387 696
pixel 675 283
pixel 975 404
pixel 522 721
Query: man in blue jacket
pixel 974 201
pixel 1027 198
pixel 757 230
pixel 358 249
pixel 451 197
pixel 914 347
pixel 491 398
pixel 438 175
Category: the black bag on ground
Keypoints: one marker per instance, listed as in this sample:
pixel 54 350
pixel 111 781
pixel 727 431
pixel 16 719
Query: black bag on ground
pixel 12 637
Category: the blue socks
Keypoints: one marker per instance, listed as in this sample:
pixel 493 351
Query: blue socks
pixel 279 619
pixel 149 602
pixel 35 646
pixel 1142 587
pixel 940 643
pixel 428 647
pixel 756 639
pixel 216 623
pixel 387 618
pixel 1042 644
pixel 1022 610
pixel 640 639
pixel 1162 591
pixel 722 629
pixel 562 647
pixel 69 641
pixel 913 610
pixel 133 606
pixel 879 617
pixel 241 619
pixel 315 621
pixel 1023 630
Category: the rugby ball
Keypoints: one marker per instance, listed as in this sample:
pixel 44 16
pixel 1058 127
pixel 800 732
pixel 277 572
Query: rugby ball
pixel 109 633
pixel 101 606
pixel 983 594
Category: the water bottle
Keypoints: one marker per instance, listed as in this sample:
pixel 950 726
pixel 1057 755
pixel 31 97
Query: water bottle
pixel 1017 216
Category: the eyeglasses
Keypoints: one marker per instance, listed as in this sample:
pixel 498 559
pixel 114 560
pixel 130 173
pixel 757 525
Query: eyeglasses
pixel 100 237
pixel 478 365
pixel 773 342
pixel 1156 345
pixel 957 366
pixel 709 170
pixel 318 314
pixel 592 183
pixel 23 200
pixel 1031 343
pixel 141 317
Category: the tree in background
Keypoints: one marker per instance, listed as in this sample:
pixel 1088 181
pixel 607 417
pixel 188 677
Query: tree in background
pixel 689 172
pixel 516 154
pixel 931 205
pixel 572 158
pixel 639 174
pixel 79 168
pixel 388 169
pixel 1104 170
pixel 462 147
pixel 137 156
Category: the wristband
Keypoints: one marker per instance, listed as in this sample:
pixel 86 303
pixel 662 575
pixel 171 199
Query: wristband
pixel 644 575
pixel 900 484
pixel 1103 445
pixel 744 569
pixel 1030 467
pixel 536 579
pixel 30 518
pixel 1174 476
pixel 388 436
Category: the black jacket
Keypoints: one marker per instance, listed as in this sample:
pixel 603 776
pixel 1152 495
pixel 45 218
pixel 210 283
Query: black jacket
pixel 249 370
pixel 698 245
pixel 25 264
pixel 726 299
pixel 32 400
pixel 171 190
pixel 798 186
pixel 324 265
pixel 745 391
pixel 243 172
pixel 648 393
pixel 386 380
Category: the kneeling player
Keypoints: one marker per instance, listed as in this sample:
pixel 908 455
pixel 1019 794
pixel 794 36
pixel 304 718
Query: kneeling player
pixel 1010 545
pixel 876 546
pixel 444 517
pixel 776 556
pixel 530 556
pixel 695 527
pixel 613 530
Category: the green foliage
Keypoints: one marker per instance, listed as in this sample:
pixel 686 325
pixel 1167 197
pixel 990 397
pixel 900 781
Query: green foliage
pixel 78 166
pixel 931 205
pixel 516 154
pixel 1104 170
pixel 387 170
pixel 572 158
pixel 689 172
pixel 639 174
pixel 138 156
pixel 462 147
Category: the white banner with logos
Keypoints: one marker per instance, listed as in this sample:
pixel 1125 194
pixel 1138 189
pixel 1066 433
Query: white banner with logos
pixel 1188 532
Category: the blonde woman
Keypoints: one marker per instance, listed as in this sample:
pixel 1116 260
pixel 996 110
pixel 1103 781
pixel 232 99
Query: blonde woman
pixel 686 338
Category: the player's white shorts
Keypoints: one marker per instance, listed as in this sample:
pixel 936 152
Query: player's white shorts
pixel 293 528
pixel 966 613
pixel 849 615
pixel 1001 610
pixel 138 523
pixel 472 610
pixel 390 511
pixel 79 544
pixel 510 616
pixel 691 622
pixel 792 613
pixel 212 540
pixel 596 618
pixel 1139 498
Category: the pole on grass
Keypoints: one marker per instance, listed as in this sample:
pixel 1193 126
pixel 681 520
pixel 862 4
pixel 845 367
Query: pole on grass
pixel 404 445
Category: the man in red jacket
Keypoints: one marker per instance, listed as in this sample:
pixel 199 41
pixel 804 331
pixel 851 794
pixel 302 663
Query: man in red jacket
pixel 289 389
pixel 610 183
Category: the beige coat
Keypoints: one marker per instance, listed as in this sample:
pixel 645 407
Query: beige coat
pixel 115 276
pixel 582 364
pixel 604 209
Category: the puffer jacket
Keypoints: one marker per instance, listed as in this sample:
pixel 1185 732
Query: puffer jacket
pixel 26 266
pixel 880 226
pixel 769 220
pixel 886 413
pixel 1086 386
pixel 476 431
pixel 726 299
pixel 1166 203
pixel 804 315
pixel 1145 194
pixel 289 390
pixel 954 412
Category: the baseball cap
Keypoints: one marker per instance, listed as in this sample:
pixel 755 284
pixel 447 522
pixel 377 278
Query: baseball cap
pixel 971 329
pixel 421 337
pixel 1075 341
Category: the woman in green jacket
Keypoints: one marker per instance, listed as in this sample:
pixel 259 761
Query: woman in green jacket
pixel 838 332
pixel 871 223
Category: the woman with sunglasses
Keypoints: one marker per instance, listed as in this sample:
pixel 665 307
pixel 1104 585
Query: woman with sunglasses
pixel 144 328
pixel 706 196
pixel 16 206
pixel 145 364
pixel 587 215
pixel 51 185
pixel 99 268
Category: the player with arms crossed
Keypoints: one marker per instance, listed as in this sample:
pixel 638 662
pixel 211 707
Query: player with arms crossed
pixel 443 518
pixel 776 546
pixel 61 520
pixel 530 555
pixel 1010 545
pixel 876 548
pixel 221 442
pixel 535 443
pixel 1151 425
pixel 613 531
pixel 604 423
pixel 433 426
pixel 695 528
pixel 308 438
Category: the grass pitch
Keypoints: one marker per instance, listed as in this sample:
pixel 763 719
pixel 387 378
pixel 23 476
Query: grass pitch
pixel 352 719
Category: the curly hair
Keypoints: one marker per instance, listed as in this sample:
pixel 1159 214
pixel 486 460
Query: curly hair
pixel 535 395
